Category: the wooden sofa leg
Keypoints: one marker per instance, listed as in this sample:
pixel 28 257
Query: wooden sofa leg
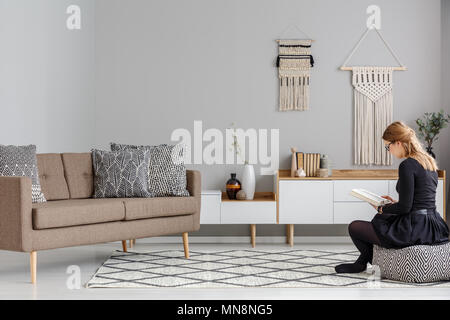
pixel 186 245
pixel 33 264
pixel 132 242
pixel 124 245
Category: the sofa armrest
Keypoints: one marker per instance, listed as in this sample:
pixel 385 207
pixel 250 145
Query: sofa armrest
pixel 15 213
pixel 194 182
pixel 194 186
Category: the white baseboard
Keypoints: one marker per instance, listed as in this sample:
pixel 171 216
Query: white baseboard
pixel 242 239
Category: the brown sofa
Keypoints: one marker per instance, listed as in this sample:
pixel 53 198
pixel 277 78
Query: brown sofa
pixel 71 217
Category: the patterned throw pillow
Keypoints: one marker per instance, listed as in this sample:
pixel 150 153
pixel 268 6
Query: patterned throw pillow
pixel 21 161
pixel 167 173
pixel 121 174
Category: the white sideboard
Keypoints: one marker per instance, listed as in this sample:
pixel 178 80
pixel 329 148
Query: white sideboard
pixel 307 200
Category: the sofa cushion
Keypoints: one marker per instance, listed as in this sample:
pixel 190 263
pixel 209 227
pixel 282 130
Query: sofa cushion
pixel 79 174
pixel 51 176
pixel 21 161
pixel 66 213
pixel 167 172
pixel 121 174
pixel 142 208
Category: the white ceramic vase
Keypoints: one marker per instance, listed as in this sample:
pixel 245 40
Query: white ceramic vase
pixel 248 181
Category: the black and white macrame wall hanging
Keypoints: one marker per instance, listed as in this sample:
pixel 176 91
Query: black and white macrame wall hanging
pixel 294 63
pixel 373 107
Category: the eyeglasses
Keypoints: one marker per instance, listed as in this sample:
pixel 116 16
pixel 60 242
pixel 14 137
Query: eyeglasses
pixel 387 147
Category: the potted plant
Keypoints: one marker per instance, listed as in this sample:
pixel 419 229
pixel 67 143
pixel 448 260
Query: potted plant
pixel 429 127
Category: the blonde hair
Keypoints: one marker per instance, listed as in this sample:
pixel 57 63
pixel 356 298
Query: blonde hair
pixel 398 131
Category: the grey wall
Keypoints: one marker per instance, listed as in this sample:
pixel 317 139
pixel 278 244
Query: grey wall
pixel 140 69
pixel 160 65
pixel 46 75
pixel 445 20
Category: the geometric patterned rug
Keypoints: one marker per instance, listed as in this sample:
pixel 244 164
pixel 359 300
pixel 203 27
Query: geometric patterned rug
pixel 294 268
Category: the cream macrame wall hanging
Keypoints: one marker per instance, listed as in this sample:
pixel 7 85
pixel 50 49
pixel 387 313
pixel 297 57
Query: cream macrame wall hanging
pixel 373 108
pixel 294 62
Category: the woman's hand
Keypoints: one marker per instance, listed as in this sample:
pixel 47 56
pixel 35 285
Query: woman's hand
pixel 389 198
pixel 385 197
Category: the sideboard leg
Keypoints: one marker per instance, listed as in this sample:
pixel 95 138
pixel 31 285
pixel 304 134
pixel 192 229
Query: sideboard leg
pixel 288 229
pixel 291 235
pixel 253 234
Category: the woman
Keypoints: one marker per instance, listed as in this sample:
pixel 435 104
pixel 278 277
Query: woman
pixel 412 220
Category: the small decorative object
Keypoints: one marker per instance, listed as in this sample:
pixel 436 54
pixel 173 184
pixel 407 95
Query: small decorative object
pixel 373 107
pixel 294 62
pixel 241 195
pixel 248 181
pixel 233 186
pixel 323 172
pixel 300 173
pixel 248 175
pixel 323 161
pixel 429 127
pixel 293 161
pixel 325 164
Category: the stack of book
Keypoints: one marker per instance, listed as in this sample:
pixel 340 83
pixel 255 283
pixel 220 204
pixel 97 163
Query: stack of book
pixel 310 162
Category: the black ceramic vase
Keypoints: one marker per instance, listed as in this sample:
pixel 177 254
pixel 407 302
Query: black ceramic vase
pixel 430 152
pixel 233 186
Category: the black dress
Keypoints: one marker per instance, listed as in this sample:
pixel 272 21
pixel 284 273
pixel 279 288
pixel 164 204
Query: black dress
pixel 399 225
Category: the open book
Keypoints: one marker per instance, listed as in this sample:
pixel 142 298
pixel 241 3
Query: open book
pixel 369 197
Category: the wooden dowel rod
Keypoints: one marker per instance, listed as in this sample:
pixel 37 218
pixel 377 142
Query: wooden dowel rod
pixel 395 68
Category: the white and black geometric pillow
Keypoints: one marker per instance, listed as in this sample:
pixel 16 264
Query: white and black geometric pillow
pixel 21 161
pixel 167 173
pixel 121 174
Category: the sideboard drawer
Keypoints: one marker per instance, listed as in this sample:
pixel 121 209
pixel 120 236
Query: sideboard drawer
pixel 251 212
pixel 306 202
pixel 346 212
pixel 342 188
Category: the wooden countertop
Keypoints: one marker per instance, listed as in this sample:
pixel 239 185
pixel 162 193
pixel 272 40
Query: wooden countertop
pixel 259 196
pixel 349 174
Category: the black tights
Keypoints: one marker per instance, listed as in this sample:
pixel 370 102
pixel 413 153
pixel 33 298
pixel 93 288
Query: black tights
pixel 364 237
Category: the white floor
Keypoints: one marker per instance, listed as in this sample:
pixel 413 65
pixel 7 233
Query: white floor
pixel 52 277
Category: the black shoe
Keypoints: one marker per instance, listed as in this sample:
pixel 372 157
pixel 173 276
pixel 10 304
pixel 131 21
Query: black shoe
pixel 350 268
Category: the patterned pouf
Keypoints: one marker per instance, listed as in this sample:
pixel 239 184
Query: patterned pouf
pixel 421 263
